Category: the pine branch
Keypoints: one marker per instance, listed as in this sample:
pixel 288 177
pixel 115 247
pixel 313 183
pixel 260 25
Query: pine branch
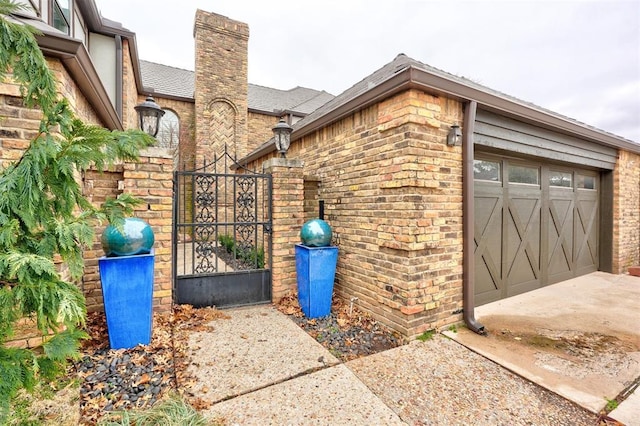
pixel 43 214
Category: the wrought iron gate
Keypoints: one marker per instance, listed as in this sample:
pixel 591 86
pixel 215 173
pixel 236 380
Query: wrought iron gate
pixel 221 235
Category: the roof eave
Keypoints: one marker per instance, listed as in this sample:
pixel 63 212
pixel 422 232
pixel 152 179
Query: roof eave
pixel 415 78
pixel 278 112
pixel 76 59
pixel 158 94
pixel 442 85
pixel 265 149
pixel 399 82
pixel 265 112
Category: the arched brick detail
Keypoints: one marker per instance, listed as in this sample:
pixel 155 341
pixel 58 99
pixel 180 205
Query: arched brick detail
pixel 223 122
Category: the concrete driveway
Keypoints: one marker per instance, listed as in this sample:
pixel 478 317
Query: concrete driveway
pixel 579 338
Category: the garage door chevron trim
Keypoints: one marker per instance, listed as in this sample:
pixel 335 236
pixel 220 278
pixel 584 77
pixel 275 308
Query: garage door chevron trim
pixel 487 243
pixel 522 244
pixel 560 236
pixel 532 229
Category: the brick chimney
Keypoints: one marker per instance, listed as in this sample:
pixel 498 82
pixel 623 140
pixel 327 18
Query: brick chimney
pixel 220 86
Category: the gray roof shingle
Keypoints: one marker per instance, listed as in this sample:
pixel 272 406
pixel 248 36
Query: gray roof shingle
pixel 398 64
pixel 299 99
pixel 166 80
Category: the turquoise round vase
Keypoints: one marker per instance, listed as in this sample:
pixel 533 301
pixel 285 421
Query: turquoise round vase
pixel 316 233
pixel 136 238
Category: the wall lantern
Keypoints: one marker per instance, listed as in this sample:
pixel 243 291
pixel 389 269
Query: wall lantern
pixel 149 114
pixel 282 135
pixel 454 137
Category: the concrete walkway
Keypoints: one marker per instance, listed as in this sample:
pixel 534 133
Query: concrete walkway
pixel 259 367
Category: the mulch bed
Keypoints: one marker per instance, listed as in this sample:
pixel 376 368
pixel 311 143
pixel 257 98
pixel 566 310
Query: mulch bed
pixel 123 379
pixel 347 332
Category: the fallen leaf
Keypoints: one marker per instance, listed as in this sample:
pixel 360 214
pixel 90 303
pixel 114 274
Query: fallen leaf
pixel 144 379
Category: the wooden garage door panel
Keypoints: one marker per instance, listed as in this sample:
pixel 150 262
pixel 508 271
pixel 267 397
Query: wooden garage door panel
pixel 560 236
pixel 488 245
pixel 586 236
pixel 523 242
pixel 528 236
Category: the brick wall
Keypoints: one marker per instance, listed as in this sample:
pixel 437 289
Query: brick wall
pixel 18 125
pixel 130 96
pixel 27 334
pixel 393 195
pixel 151 181
pixel 626 212
pixel 70 91
pixel 260 126
pixel 220 85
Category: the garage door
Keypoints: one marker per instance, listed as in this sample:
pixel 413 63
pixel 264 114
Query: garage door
pixel 535 224
pixel 537 206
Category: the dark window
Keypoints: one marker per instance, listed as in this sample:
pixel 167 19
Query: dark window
pixel 560 179
pixel 524 174
pixel 585 182
pixel 62 15
pixel 169 133
pixel 486 170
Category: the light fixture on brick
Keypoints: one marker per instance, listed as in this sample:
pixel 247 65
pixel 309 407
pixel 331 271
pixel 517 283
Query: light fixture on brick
pixel 282 136
pixel 149 115
pixel 454 137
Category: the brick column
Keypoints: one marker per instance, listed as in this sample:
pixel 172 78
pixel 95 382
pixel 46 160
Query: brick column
pixel 221 86
pixel 626 212
pixel 287 219
pixel 151 180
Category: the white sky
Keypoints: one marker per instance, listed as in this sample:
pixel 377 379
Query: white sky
pixel 578 58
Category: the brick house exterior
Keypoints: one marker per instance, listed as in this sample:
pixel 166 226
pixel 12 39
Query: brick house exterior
pixel 394 190
pixel 399 197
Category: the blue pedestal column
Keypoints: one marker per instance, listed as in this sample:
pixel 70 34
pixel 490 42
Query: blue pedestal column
pixel 315 271
pixel 127 289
